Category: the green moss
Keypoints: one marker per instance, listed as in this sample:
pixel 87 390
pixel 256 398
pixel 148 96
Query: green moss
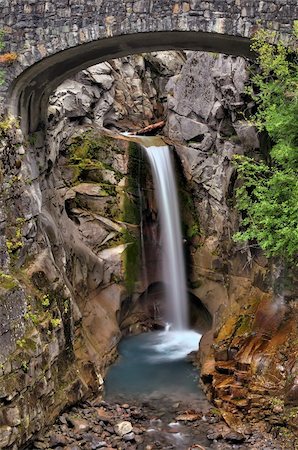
pixel 7 282
pixel 81 167
pixel 8 123
pixel 15 236
pixel 243 326
pixel 131 260
pixel 291 413
pixel 130 210
pixel 90 144
pixel 109 189
pixel 13 245
pixel 275 401
pixel 92 152
pixel 88 153
pixel 190 221
pixel 131 213
pixel 193 230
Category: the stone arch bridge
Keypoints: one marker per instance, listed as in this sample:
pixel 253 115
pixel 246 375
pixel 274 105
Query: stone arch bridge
pixel 53 39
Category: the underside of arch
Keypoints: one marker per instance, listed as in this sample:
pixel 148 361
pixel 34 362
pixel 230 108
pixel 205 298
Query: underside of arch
pixel 29 93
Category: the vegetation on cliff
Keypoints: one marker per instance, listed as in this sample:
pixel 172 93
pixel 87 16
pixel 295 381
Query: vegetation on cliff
pixel 268 195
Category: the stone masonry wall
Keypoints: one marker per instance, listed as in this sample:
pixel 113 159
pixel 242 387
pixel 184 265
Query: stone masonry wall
pixel 37 29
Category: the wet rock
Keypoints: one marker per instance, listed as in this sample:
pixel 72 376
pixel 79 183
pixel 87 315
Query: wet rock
pixel 234 437
pixel 58 439
pixel 62 419
pixel 40 444
pixel 88 437
pixel 189 416
pixel 104 415
pixel 96 443
pixel 129 437
pixel 79 425
pixel 7 436
pixel 137 414
pixel 109 429
pixel 123 428
pixel 213 435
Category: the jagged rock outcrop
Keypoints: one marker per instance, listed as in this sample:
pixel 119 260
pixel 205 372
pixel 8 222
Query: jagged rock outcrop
pixel 67 230
pixel 251 299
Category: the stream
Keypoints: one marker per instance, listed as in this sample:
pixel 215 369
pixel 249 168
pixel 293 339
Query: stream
pixel 153 373
pixel 152 401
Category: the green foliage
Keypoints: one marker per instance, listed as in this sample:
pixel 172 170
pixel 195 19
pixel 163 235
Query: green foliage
pixel 7 282
pixel 268 195
pixel 21 343
pixel 8 123
pixel 55 322
pixel 15 241
pixel 30 315
pixel 193 231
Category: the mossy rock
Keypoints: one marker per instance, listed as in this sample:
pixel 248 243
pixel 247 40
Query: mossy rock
pixel 131 260
pixel 89 154
pixel 244 325
pixel 228 329
pixel 8 282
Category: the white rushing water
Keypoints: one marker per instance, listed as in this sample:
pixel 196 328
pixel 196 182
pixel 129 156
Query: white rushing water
pixel 173 261
pixel 173 345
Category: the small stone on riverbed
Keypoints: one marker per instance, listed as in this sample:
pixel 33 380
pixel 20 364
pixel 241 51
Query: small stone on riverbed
pixel 234 437
pixel 123 428
pixel 189 416
pixel 95 444
pixel 79 425
pixel 129 437
pixel 58 439
pixel 214 435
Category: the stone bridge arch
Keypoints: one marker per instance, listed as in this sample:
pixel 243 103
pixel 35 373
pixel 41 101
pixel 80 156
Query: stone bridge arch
pixel 55 38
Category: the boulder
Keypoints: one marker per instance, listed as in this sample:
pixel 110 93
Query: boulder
pixel 185 128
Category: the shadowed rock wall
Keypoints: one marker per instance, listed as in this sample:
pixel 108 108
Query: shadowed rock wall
pixel 67 219
pixel 249 359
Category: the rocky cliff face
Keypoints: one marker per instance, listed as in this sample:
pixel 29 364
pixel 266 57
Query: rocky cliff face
pixel 248 360
pixel 69 222
pixel 71 280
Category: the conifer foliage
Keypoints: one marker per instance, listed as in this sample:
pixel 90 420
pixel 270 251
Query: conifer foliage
pixel 268 192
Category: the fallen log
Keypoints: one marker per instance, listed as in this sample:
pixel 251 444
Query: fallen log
pixel 150 128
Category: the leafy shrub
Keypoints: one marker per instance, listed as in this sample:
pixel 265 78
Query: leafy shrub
pixel 268 195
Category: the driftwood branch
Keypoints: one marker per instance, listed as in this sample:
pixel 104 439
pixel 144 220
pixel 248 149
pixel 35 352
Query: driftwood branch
pixel 152 127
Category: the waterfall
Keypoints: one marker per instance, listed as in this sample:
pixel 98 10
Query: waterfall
pixel 168 209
